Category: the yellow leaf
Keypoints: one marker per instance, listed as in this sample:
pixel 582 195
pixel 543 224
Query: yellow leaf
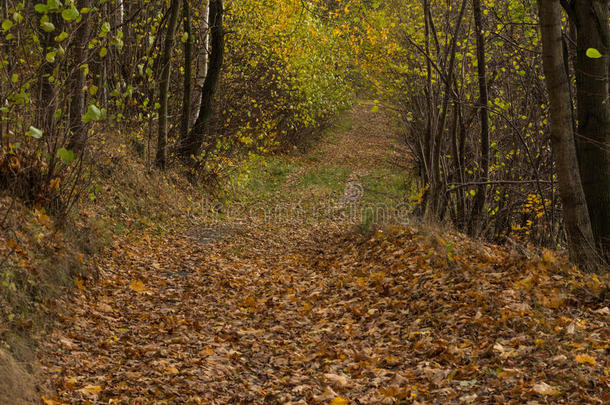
pixel 208 351
pixel 49 401
pixel 136 286
pixel 339 401
pixel 91 390
pixel 585 358
pixel 79 283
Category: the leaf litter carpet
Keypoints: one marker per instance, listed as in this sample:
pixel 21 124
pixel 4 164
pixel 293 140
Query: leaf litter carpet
pixel 264 314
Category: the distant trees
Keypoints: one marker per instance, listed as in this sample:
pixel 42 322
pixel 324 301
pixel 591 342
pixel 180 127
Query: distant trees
pixel 493 157
pixel 79 75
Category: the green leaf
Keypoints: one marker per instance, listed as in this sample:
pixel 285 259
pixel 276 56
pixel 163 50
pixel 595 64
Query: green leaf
pixel 41 8
pixel 70 14
pixel 14 78
pixel 50 57
pixel 61 37
pixel 47 26
pixel 593 53
pixel 105 29
pixel 93 114
pixel 6 25
pixel 34 132
pixel 185 37
pixel 65 155
pixel 103 52
pixel 53 5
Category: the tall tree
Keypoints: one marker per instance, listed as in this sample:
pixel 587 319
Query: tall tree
pixel 78 134
pixel 481 196
pixel 165 64
pixel 590 18
pixel 190 143
pixel 202 62
pixel 188 68
pixel 578 226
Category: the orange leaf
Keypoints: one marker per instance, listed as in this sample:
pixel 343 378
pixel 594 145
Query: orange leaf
pixel 136 286
pixel 585 358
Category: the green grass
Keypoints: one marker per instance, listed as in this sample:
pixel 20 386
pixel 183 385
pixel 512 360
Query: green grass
pixel 267 177
pixel 330 178
pixel 387 186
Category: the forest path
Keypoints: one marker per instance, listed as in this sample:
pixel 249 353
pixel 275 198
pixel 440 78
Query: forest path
pixel 305 310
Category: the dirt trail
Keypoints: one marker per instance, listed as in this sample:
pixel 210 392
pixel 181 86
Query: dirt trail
pixel 370 140
pixel 300 314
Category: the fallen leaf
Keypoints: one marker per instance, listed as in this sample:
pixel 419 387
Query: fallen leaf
pixel 327 395
pixel 172 371
pixel 91 390
pixel 586 359
pixel 49 401
pixel 545 389
pixel 136 286
pixel 339 401
pixel 336 381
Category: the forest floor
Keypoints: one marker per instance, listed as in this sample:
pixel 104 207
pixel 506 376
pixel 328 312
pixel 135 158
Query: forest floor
pixel 283 296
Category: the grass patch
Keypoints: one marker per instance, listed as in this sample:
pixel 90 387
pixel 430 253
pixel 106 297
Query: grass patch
pixel 265 178
pixel 387 186
pixel 331 179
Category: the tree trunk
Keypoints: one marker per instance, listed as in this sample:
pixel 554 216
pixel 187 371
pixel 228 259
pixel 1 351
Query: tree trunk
pixel 593 138
pixel 161 157
pixel 78 131
pixel 202 63
pixel 190 143
pixel 481 196
pixel 578 226
pixel 437 191
pixel 188 69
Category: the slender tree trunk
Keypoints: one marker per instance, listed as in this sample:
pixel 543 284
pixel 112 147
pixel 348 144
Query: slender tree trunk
pixel 593 111
pixel 202 63
pixel 161 157
pixel 191 143
pixel 78 131
pixel 481 196
pixel 437 194
pixel 578 226
pixel 47 97
pixel 188 69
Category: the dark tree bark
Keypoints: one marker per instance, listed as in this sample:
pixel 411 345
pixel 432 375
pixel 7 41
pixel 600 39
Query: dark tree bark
pixel 481 196
pixel 578 226
pixel 188 69
pixel 161 157
pixel 590 17
pixel 190 144
pixel 78 131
